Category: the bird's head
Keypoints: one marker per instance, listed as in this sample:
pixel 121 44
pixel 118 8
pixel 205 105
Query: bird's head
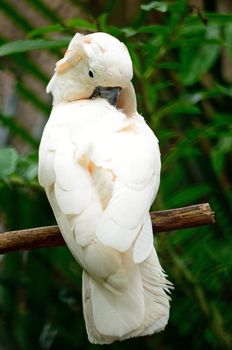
pixel 94 65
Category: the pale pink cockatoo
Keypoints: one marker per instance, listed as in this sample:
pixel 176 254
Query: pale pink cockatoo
pixel 99 163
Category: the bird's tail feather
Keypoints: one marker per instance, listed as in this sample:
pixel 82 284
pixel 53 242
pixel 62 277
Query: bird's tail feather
pixel 143 309
pixel 94 335
pixel 156 288
pixel 113 315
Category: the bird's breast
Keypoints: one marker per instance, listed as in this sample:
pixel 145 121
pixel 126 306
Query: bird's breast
pixel 125 146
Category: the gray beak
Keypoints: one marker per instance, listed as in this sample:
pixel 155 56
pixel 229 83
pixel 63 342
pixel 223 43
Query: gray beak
pixel 111 94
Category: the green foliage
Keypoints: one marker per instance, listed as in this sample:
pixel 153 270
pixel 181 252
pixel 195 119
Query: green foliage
pixel 28 45
pixel 155 5
pixel 8 161
pixel 185 99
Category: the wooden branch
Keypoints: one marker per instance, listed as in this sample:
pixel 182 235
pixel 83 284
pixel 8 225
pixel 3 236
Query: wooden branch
pixel 167 220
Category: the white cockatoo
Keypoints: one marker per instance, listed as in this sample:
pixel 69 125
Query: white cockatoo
pixel 99 163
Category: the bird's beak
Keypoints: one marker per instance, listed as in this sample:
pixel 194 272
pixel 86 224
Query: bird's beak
pixel 111 94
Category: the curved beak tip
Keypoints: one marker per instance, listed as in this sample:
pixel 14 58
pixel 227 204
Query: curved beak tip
pixel 111 94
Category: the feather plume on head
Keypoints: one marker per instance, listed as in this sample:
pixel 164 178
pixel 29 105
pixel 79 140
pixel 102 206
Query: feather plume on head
pixel 91 60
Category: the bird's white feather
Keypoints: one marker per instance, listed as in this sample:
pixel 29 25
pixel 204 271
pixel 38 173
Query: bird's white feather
pixel 144 243
pixel 100 168
pixel 124 216
pixel 121 313
pixel 155 287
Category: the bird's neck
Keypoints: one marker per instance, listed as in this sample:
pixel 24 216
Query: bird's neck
pixel 127 101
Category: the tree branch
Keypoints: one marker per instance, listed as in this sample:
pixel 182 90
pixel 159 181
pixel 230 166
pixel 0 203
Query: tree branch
pixel 49 236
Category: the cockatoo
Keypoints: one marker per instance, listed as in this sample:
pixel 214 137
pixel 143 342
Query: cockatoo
pixel 99 164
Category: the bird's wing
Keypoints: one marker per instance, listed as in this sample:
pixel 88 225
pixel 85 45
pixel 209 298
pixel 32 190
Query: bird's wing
pixel 65 172
pixel 136 167
pixel 68 186
pixel 130 152
pixel 59 168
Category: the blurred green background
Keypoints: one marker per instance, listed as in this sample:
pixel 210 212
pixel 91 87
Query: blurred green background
pixel 182 55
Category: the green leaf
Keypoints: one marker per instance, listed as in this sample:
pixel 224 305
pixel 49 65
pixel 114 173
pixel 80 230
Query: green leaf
pixel 201 95
pixel 178 107
pixel 190 31
pixel 228 37
pixel 197 58
pixel 218 160
pixel 155 5
pixel 102 22
pixel 219 18
pixel 213 18
pixel 44 30
pixel 29 45
pixel 115 31
pixel 136 61
pixel 168 65
pixel 77 23
pixel 154 29
pixel 129 32
pixel 8 161
pixel 81 23
pixel 219 152
pixel 190 195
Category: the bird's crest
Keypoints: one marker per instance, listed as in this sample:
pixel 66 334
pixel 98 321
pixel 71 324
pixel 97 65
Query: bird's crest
pixel 75 53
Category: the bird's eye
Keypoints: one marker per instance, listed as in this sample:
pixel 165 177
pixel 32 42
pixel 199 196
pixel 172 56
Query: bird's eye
pixel 91 75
